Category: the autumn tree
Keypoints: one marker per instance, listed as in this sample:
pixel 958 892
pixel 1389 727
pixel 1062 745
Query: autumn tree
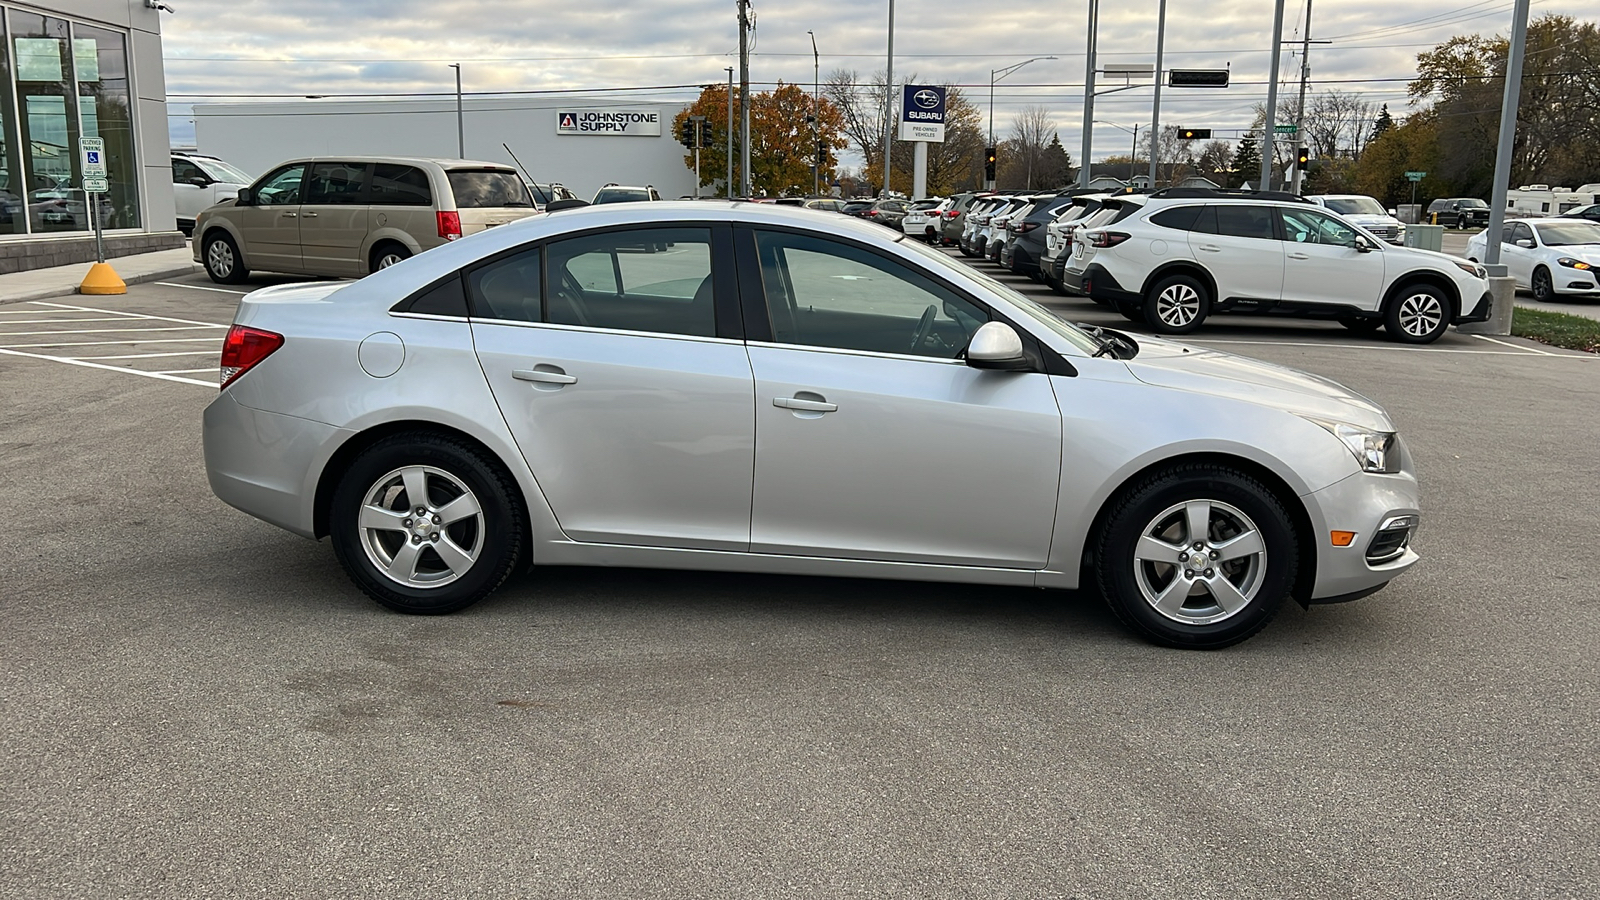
pixel 953 165
pixel 782 143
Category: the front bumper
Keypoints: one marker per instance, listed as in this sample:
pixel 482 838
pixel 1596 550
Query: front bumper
pixel 1479 312
pixel 266 464
pixel 1383 511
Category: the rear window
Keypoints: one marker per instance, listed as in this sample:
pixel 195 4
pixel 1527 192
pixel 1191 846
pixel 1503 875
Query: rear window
pixel 614 195
pixel 488 189
pixel 1179 217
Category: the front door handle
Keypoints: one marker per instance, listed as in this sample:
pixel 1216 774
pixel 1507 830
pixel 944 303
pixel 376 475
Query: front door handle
pixel 542 376
pixel 1298 256
pixel 804 405
pixel 290 215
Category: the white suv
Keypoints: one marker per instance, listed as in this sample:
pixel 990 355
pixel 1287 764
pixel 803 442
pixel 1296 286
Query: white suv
pixel 1176 256
pixel 1366 212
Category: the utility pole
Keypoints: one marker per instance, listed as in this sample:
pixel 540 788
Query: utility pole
pixel 461 126
pixel 1155 108
pixel 729 182
pixel 1133 157
pixel 1300 113
pixel 1272 100
pixel 816 117
pixel 1508 133
pixel 1088 94
pixel 744 97
pixel 888 103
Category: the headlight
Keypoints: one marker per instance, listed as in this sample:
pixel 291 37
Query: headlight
pixel 1376 451
pixel 1471 268
pixel 1571 263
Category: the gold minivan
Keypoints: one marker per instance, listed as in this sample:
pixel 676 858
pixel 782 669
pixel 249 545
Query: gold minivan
pixel 352 215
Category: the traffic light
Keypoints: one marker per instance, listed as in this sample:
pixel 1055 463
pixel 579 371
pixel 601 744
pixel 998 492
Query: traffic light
pixel 822 156
pixel 688 135
pixel 1303 158
pixel 988 163
pixel 1193 134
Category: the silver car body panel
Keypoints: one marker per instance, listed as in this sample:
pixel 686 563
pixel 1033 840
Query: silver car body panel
pixel 1025 460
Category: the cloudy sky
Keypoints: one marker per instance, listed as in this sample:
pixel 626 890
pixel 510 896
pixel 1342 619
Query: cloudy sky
pixel 238 50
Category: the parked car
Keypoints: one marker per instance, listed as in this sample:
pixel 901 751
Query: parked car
pixel 351 215
pixel 1058 238
pixel 547 192
pixel 975 221
pixel 993 236
pixel 1549 257
pixel 1366 212
pixel 887 212
pixel 955 217
pixel 857 208
pixel 1025 246
pixel 1590 213
pixel 829 204
pixel 1459 212
pixel 201 181
pixel 921 217
pixel 1178 255
pixel 578 400
pixel 622 193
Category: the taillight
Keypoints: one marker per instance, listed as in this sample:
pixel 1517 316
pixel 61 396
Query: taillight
pixel 243 348
pixel 449 225
pixel 1025 227
pixel 872 212
pixel 951 213
pixel 1104 239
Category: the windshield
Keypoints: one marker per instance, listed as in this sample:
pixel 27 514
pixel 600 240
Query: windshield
pixel 488 189
pixel 1472 204
pixel 1567 234
pixel 1355 206
pixel 221 171
pixel 1038 313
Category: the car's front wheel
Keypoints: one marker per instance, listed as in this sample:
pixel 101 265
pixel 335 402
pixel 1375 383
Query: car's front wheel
pixel 1417 315
pixel 1544 290
pixel 1197 556
pixel 1177 305
pixel 426 524
pixel 222 260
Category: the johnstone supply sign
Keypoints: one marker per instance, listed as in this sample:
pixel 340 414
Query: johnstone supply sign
pixel 922 114
pixel 629 122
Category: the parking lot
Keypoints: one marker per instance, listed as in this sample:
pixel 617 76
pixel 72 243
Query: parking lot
pixel 200 704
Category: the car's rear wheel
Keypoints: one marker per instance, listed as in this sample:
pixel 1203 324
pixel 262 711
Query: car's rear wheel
pixel 1177 305
pixel 426 524
pixel 1197 556
pixel 1417 315
pixel 1544 290
pixel 1359 324
pixel 222 259
pixel 388 254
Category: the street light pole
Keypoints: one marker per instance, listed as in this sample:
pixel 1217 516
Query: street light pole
pixel 1088 94
pixel 730 133
pixel 1267 137
pixel 816 118
pixel 888 104
pixel 994 76
pixel 461 126
pixel 1155 108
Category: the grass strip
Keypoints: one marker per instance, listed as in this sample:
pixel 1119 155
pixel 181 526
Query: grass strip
pixel 1556 329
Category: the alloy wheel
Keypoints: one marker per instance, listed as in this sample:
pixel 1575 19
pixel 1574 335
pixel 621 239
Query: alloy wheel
pixel 421 526
pixel 220 257
pixel 1420 314
pixel 1178 305
pixel 1200 562
pixel 389 258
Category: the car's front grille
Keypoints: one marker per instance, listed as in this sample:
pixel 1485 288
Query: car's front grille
pixel 1392 539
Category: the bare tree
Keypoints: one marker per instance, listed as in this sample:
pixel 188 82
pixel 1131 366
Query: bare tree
pixel 1336 124
pixel 952 165
pixel 1177 156
pixel 1032 131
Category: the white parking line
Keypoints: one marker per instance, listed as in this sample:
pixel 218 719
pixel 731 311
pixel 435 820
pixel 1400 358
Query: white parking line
pixel 106 330
pixel 185 371
pixel 1484 337
pixel 133 315
pixel 199 287
pixel 9 322
pixel 111 343
pixel 91 365
pixel 208 351
pixel 1517 351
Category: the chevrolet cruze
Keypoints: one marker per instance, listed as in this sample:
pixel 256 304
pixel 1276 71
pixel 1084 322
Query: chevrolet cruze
pixel 745 387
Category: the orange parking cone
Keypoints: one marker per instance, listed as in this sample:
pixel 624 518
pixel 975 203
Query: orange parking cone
pixel 102 279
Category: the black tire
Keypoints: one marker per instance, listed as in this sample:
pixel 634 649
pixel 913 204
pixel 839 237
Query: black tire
pixel 1177 304
pixel 1361 325
pixel 1133 312
pixel 222 260
pixel 387 254
pixel 1420 314
pixel 1135 584
pixel 1544 290
pixel 497 533
pixel 1057 286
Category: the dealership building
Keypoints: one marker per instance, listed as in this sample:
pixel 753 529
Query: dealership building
pixel 581 142
pixel 70 70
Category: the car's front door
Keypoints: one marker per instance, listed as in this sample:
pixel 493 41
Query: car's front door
pixel 1517 258
pixel 333 218
pixel 1238 244
pixel 1322 264
pixel 270 225
pixel 874 440
pixel 628 392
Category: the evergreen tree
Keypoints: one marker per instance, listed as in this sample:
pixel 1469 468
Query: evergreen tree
pixel 1383 123
pixel 1246 161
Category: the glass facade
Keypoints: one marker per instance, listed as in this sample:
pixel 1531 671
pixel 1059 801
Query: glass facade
pixel 64 81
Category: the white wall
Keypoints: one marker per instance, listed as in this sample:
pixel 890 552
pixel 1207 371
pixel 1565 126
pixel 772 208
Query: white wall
pixel 257 136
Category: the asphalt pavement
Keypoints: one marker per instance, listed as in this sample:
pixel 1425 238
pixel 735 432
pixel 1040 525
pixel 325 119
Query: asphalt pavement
pixel 197 704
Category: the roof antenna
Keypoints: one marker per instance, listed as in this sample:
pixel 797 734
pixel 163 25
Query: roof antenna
pixel 526 177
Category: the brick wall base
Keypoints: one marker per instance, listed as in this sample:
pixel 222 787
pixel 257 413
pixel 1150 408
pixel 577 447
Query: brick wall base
pixel 20 256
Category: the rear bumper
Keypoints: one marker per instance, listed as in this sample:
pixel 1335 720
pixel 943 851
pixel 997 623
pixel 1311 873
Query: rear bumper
pixel 265 463
pixel 1098 284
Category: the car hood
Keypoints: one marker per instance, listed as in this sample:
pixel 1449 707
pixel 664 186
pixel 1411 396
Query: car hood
pixel 1365 219
pixel 1183 367
pixel 1589 253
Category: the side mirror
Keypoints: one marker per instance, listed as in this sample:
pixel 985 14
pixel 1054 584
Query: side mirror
pixel 247 197
pixel 200 181
pixel 1392 212
pixel 1525 244
pixel 995 345
pixel 1363 245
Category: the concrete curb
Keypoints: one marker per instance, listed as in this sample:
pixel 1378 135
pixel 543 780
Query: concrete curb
pixel 72 290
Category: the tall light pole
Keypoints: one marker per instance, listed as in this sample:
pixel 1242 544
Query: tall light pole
pixel 730 133
pixel 888 103
pixel 461 124
pixel 744 97
pixel 1088 94
pixel 997 75
pixel 1155 107
pixel 1508 133
pixel 1272 100
pixel 816 118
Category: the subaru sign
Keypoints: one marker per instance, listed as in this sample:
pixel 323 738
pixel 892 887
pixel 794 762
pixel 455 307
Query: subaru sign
pixel 922 113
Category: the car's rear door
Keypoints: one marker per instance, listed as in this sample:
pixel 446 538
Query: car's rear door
pixel 1238 244
pixel 620 369
pixel 873 439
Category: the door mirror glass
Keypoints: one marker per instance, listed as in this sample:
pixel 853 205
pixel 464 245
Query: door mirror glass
pixel 245 198
pixel 996 345
pixel 1525 244
pixel 200 181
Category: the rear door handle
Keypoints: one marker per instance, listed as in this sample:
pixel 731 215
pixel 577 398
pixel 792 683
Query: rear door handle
pixel 311 215
pixel 1211 248
pixel 1298 256
pixel 541 376
pixel 806 405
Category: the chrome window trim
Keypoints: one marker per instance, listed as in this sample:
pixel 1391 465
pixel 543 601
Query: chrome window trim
pixel 590 329
pixel 876 354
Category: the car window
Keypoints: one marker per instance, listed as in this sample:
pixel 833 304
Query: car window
pixel 399 185
pixel 508 288
pixel 221 171
pixel 183 171
pixel 823 293
pixel 1567 234
pixel 282 187
pixel 488 189
pixel 1245 221
pixel 646 279
pixel 1306 226
pixel 1521 232
pixel 335 183
pixel 1506 232
pixel 1178 217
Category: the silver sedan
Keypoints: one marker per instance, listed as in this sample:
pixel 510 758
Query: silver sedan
pixel 751 388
